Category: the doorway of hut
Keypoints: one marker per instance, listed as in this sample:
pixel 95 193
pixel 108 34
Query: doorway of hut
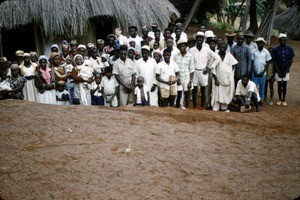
pixel 103 27
pixel 22 38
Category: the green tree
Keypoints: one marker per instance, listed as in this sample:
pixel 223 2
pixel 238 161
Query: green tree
pixel 207 7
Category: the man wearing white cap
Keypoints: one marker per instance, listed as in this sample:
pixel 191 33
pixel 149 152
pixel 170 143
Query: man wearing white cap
pixel 283 58
pixel 146 67
pixel 260 62
pixel 209 35
pixel 185 62
pixel 202 55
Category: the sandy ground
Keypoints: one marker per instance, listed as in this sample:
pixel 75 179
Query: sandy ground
pixel 56 152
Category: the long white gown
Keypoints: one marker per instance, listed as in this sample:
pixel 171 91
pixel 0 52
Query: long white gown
pixel 225 74
pixel 29 89
pixel 147 70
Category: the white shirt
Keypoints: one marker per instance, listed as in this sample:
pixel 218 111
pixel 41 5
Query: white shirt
pixel 137 92
pixel 152 35
pixel 60 94
pixel 137 40
pixel 109 85
pixel 85 72
pixel 166 71
pixel 124 69
pixel 174 52
pixel 202 57
pixel 186 65
pixel 183 35
pixel 147 70
pixel 260 59
pixel 97 64
pixel 122 40
pixel 251 46
pixel 94 86
pixel 243 91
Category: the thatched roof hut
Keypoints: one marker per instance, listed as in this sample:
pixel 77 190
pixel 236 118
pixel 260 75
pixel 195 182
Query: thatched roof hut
pixel 71 17
pixel 53 20
pixel 289 21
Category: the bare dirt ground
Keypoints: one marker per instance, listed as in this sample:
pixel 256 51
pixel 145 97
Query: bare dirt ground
pixel 75 152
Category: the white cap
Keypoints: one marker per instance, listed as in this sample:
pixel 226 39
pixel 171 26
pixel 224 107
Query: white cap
pixel 209 34
pixel 282 35
pixel 199 34
pixel 81 46
pixel 146 47
pixel 260 39
pixel 182 41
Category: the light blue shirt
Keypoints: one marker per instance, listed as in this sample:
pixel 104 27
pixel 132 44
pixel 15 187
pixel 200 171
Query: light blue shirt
pixel 260 59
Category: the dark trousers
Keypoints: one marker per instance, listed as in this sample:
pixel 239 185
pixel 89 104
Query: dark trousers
pixel 97 101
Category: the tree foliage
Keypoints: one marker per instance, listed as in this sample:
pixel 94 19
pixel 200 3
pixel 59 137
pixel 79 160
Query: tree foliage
pixel 290 3
pixel 207 7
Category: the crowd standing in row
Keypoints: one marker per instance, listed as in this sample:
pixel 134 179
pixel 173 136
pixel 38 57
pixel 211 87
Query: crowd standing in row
pixel 157 69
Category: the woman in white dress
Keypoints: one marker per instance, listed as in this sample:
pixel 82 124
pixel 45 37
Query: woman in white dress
pixel 45 82
pixel 28 70
pixel 223 80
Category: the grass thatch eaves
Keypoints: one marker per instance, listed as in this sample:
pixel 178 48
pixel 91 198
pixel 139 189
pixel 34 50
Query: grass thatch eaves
pixel 288 21
pixel 71 17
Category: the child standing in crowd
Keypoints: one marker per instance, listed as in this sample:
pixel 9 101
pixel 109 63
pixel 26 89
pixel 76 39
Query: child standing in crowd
pixel 69 83
pixel 109 87
pixel 97 98
pixel 270 78
pixel 4 84
pixel 62 95
pixel 141 93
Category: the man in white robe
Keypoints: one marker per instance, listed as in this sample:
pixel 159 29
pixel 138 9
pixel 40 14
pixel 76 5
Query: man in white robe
pixel 223 80
pixel 146 68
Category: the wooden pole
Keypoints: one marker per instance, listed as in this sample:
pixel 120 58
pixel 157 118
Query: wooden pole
pixel 246 14
pixel 269 34
pixel 191 14
pixel 1 52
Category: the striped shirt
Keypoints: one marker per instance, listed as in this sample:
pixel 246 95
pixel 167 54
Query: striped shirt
pixel 202 57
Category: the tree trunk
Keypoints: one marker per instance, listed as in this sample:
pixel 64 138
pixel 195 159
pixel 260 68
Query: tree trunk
pixel 253 17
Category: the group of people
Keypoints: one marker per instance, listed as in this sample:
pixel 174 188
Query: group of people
pixel 156 69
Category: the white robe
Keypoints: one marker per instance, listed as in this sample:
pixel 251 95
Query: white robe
pixel 147 70
pixel 29 89
pixel 48 97
pixel 225 74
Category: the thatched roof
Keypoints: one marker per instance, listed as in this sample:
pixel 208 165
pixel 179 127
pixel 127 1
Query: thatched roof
pixel 71 17
pixel 288 21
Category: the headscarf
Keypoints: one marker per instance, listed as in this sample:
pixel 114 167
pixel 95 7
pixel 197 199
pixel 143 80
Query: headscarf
pixel 26 55
pixel 44 57
pixel 14 66
pixel 53 55
pixel 77 55
pixel 45 73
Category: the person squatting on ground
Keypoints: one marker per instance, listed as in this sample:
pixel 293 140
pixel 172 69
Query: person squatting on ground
pixel 246 92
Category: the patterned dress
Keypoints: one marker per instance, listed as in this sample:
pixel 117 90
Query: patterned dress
pixel 15 83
